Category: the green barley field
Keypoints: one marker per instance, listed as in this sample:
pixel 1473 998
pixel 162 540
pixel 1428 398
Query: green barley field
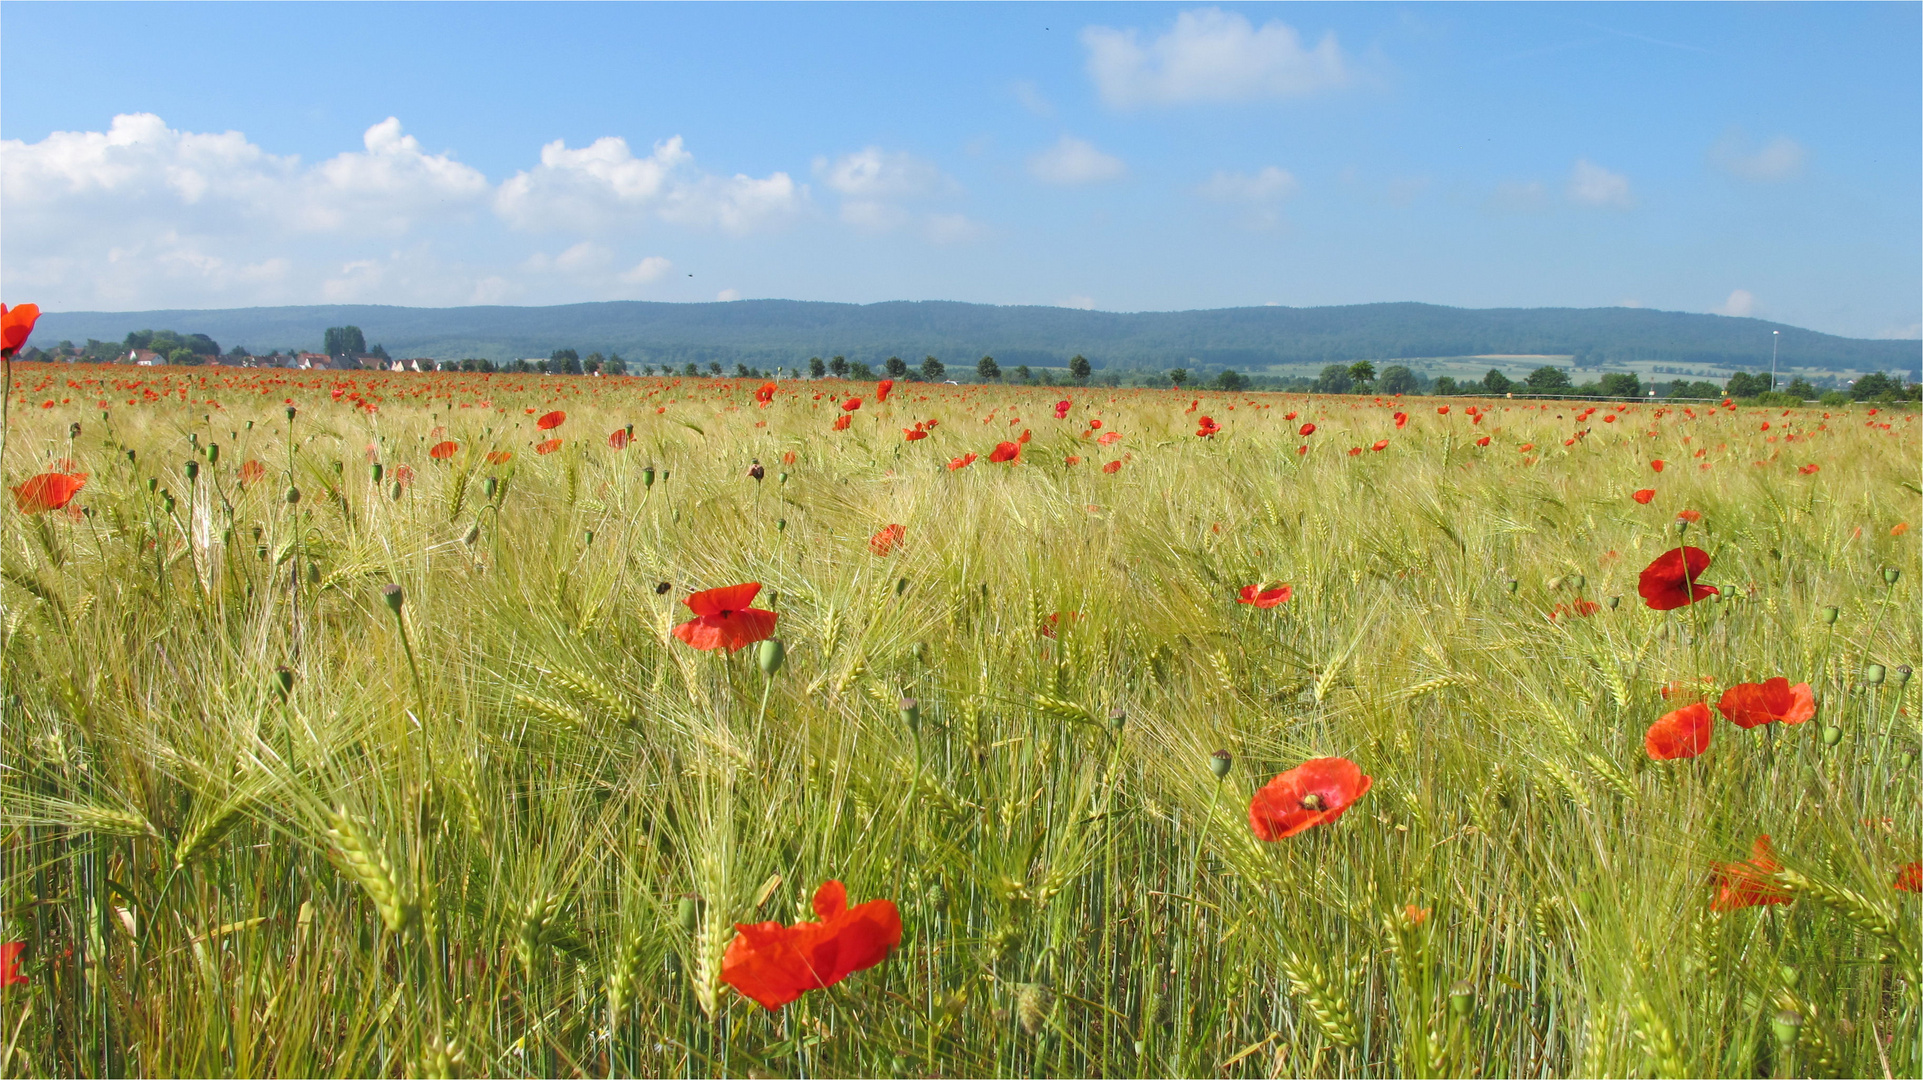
pixel 265 816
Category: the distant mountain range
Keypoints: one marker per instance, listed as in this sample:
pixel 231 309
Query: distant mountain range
pixel 766 333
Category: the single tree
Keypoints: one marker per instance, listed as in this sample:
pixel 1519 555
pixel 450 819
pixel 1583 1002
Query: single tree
pixel 1231 380
pixel 816 369
pixel 1397 379
pixel 1621 385
pixel 987 369
pixel 1079 368
pixel 1363 372
pixel 1495 383
pixel 343 341
pixel 896 368
pixel 1335 379
pixel 1178 377
pixel 839 365
pixel 1548 379
pixel 933 369
pixel 1445 387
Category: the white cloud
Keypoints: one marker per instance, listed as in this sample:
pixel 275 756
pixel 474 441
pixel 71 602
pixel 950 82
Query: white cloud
pixel 1592 185
pixel 1271 184
pixel 1080 303
pixel 1781 158
pixel 874 173
pixel 728 296
pixel 603 185
pixel 388 186
pixel 1211 55
pixel 652 268
pixel 1072 161
pixel 1741 304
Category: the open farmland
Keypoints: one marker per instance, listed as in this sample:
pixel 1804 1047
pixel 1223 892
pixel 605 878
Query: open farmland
pixel 264 815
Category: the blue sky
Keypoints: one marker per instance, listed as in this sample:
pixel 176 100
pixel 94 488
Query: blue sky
pixel 1747 159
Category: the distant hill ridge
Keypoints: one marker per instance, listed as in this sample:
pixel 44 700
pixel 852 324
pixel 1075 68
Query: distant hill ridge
pixel 766 333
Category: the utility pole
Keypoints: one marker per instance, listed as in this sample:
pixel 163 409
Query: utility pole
pixel 1775 337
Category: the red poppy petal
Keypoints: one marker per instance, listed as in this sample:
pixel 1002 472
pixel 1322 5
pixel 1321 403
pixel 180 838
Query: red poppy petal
pixel 726 598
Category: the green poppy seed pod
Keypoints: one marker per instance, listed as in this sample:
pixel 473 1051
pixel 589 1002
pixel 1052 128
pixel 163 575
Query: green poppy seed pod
pixel 1512 585
pixel 213 453
pixel 313 574
pixel 1832 735
pixel 250 425
pixel 1890 574
pixel 1615 602
pixel 290 413
pixel 1577 581
pixel 193 472
pixel 1681 526
pixel 647 477
pixel 133 457
pixel 153 484
pixel 781 524
pixel 73 430
pixel 1117 718
pixel 1219 763
pixel 167 500
pixel 783 477
pixel 395 490
pixel 901 586
pixel 1789 974
pixel 1903 673
pixel 587 538
pixel 340 467
pixel 1908 758
pixel 1829 616
pixel 227 535
pixel 1872 674
pixel 911 713
pixel 493 485
pixel 376 472
pixel 284 680
pixel 472 534
pixel 686 911
pixel 293 496
pixel 193 439
pixel 1786 1026
pixel 1462 998
pixel 394 597
pixel 770 655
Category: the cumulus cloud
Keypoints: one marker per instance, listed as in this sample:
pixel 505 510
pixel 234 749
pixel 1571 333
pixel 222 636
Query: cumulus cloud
pixel 1592 185
pixel 875 185
pixel 728 296
pixel 1211 55
pixel 603 185
pixel 652 268
pixel 1741 304
pixel 1781 158
pixel 1072 162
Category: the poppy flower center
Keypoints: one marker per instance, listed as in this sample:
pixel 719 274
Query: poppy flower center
pixel 1313 801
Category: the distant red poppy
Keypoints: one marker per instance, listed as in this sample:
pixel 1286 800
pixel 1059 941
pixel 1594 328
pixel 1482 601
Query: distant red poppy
pixel 1402 418
pixel 841 422
pixel 10 952
pixel 1658 464
pixel 1669 581
pixel 1265 598
pixel 1023 437
pixel 1751 883
pixel 1808 469
pixel 1484 441
pixel 851 404
pixel 1909 878
pixel 915 433
pixel 1683 733
pixel 885 541
pixel 1112 467
pixel 550 421
pixel 1005 451
pixel 441 451
pixel 1288 416
pixel 499 457
pixel 882 388
pixel 1061 409
pixel 788 458
pixel 403 475
pixel 252 472
pixel 1380 445
pixel 618 438
pixel 1644 495
pixel 16 325
pixel 765 393
pixel 48 491
pixel 1442 410
pixel 1207 428
pixel 548 446
pixel 961 462
pixel 723 618
pixel 1316 792
pixel 1108 438
pixel 775 964
pixel 1050 624
pixel 1749 705
pixel 1691 516
pixel 1355 451
pixel 1899 528
pixel 1306 429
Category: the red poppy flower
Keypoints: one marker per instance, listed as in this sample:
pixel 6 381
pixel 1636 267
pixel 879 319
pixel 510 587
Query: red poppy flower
pixel 1402 418
pixel 1909 878
pixel 775 964
pixel 1313 793
pixel 1808 469
pixel 1484 441
pixel 10 951
pixel 1005 451
pixel 914 433
pixel 403 475
pixel 1644 495
pixel 1306 429
pixel 1442 410
pixel 766 393
pixel 1581 608
pixel 1669 581
pixel 851 404
pixel 48 491
pixel 887 539
pixel 882 388
pixel 547 447
pixel 841 422
pixel 1380 445
pixel 1112 467
pixel 499 457
pixel 550 421
pixel 1355 451
pixel 16 325
pixel 1023 437
pixel 1207 428
pixel 1658 465
pixel 618 438
pixel 441 451
pixel 1264 598
pixel 1061 409
pixel 723 618
pixel 788 458
pixel 1683 733
pixel 1108 438
pixel 1050 624
pixel 1749 705
pixel 961 462
pixel 252 472
pixel 1751 883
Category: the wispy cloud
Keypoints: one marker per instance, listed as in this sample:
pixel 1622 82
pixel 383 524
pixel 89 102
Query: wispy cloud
pixel 1780 158
pixel 1592 185
pixel 1073 162
pixel 1211 55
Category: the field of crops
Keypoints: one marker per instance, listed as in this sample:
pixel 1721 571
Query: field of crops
pixel 359 725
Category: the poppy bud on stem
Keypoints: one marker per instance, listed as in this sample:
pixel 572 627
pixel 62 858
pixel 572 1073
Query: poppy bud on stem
pixel 1219 763
pixel 1873 674
pixel 911 714
pixel 1829 616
